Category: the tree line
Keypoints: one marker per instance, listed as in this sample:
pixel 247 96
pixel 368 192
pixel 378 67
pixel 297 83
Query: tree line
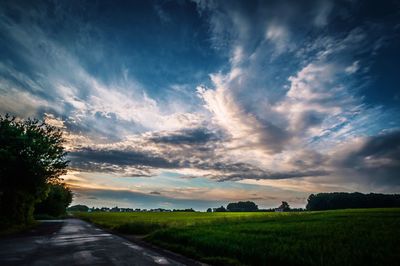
pixel 32 159
pixel 343 200
pixel 249 206
pixel 321 201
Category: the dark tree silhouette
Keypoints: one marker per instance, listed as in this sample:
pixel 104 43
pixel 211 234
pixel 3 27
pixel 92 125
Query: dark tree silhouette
pixel 343 200
pixel 31 156
pixel 284 206
pixel 78 208
pixel 242 206
pixel 220 209
pixel 209 210
pixel 56 202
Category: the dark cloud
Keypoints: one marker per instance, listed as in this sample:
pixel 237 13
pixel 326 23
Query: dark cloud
pixel 385 146
pixel 309 159
pixel 141 163
pixel 187 136
pixel 125 162
pixel 121 157
pixel 273 137
pixel 377 161
pixel 189 148
pixel 309 119
pixel 260 174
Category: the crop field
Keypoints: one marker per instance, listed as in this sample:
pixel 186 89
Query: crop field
pixel 342 237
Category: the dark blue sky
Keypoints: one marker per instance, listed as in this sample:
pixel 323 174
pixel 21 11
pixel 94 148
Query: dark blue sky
pixel 202 102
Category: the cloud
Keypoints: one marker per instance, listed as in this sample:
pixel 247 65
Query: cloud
pixel 12 98
pixel 361 164
pixel 279 35
pixel 126 162
pixel 353 68
pixel 323 12
pixel 316 95
pixel 143 154
pixel 193 136
pixel 149 154
pixel 245 129
pixel 374 158
pixel 260 175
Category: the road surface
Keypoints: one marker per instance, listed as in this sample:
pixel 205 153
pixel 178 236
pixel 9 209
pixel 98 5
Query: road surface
pixel 75 242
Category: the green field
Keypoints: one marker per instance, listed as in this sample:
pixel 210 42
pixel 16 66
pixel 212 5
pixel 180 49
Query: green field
pixel 343 237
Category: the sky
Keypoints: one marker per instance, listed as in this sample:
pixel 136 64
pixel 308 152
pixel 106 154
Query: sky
pixel 195 104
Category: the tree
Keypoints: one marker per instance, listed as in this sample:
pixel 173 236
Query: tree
pixel 220 209
pixel 31 156
pixel 209 210
pixel 56 202
pixel 242 206
pixel 79 208
pixel 284 206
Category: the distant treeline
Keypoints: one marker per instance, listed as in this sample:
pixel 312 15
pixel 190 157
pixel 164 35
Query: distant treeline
pixel 84 208
pixel 241 206
pixel 249 206
pixel 343 200
pixel 317 202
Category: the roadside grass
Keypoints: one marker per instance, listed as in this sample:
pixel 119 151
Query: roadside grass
pixel 8 229
pixel 341 237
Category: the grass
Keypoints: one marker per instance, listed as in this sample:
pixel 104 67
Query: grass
pixel 342 237
pixel 8 229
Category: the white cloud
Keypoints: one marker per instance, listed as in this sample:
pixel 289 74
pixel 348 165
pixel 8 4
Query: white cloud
pixel 353 68
pixel 247 132
pixel 278 34
pixel 314 96
pixel 17 102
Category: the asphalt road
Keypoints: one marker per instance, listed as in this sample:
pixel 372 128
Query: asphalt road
pixel 75 242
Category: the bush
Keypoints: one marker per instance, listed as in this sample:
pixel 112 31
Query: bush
pixel 58 199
